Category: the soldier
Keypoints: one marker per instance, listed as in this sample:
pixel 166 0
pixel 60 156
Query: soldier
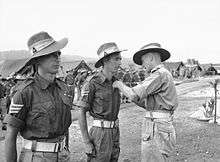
pixel 120 74
pixel 40 108
pixel 79 81
pixel 141 74
pixel 157 94
pixel 103 103
pixel 127 78
pixel 70 79
pixel 135 79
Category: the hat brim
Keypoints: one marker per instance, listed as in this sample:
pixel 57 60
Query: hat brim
pixel 56 46
pixel 164 54
pixel 99 62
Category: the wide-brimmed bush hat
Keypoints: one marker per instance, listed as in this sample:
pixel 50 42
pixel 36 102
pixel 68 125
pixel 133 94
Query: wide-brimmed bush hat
pixel 105 50
pixel 42 44
pixel 152 47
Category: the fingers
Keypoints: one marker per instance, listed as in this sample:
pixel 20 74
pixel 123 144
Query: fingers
pixel 90 150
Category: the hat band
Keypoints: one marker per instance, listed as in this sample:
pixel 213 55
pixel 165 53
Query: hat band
pixel 108 51
pixel 38 46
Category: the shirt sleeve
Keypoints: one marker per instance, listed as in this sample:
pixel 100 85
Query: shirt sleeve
pixel 87 95
pixel 17 111
pixel 150 85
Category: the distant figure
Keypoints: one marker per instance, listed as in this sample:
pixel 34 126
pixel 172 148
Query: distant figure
pixel 79 81
pixel 142 75
pixel 135 79
pixel 120 74
pixel 127 78
pixel 69 79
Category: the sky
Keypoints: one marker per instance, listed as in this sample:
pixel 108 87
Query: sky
pixel 187 28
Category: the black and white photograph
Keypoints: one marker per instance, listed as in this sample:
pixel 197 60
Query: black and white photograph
pixel 110 81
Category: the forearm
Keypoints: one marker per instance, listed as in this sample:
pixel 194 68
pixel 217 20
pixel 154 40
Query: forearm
pixel 75 115
pixel 83 126
pixel 10 151
pixel 10 148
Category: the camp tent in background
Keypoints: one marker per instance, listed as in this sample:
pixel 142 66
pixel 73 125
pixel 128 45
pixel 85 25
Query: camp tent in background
pixel 10 67
pixel 76 65
pixel 176 68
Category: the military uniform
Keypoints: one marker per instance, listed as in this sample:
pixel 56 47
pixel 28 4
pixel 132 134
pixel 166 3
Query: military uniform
pixel 70 79
pixel 135 79
pixel 103 103
pixel 42 112
pixel 127 80
pixel 157 94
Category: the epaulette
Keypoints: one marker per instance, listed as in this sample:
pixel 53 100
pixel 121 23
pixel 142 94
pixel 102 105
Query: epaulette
pixel 25 83
pixel 94 78
pixel 62 84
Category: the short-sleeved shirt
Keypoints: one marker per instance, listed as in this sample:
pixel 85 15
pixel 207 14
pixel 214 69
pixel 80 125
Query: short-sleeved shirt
pixel 158 90
pixel 100 98
pixel 40 109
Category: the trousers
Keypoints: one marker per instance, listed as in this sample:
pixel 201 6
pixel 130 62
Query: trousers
pixel 158 140
pixel 29 156
pixel 106 142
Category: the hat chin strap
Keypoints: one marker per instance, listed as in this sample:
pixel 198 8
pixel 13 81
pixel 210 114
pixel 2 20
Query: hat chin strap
pixel 38 46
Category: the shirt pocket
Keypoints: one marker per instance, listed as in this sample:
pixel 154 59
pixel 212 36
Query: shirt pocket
pixel 66 108
pixel 104 98
pixel 165 137
pixel 42 116
pixel 67 99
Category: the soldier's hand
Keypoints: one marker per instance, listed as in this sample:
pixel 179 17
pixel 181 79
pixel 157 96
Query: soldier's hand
pixel 90 149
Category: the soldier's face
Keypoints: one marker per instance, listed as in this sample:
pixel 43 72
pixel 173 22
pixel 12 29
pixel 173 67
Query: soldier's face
pixel 147 61
pixel 50 63
pixel 114 63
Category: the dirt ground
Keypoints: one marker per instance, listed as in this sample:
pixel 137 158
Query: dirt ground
pixel 196 141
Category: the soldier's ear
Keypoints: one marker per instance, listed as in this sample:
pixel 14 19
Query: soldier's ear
pixel 151 57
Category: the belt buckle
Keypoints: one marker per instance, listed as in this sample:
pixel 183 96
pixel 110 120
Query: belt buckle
pixel 33 145
pixel 112 124
pixel 58 146
pixel 102 123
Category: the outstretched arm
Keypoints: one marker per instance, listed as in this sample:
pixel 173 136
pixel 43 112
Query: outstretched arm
pixel 127 91
pixel 130 93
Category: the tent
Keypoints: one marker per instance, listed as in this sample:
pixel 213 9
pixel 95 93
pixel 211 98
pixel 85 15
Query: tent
pixel 10 67
pixel 76 65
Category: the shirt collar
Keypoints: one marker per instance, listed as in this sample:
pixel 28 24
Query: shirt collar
pixel 156 68
pixel 103 77
pixel 43 83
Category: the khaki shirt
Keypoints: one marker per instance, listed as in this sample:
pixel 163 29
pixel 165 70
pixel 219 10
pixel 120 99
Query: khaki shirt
pixel 39 109
pixel 100 98
pixel 158 92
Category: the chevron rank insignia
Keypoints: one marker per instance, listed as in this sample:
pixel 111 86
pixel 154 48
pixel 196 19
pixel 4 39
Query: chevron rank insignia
pixel 14 108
